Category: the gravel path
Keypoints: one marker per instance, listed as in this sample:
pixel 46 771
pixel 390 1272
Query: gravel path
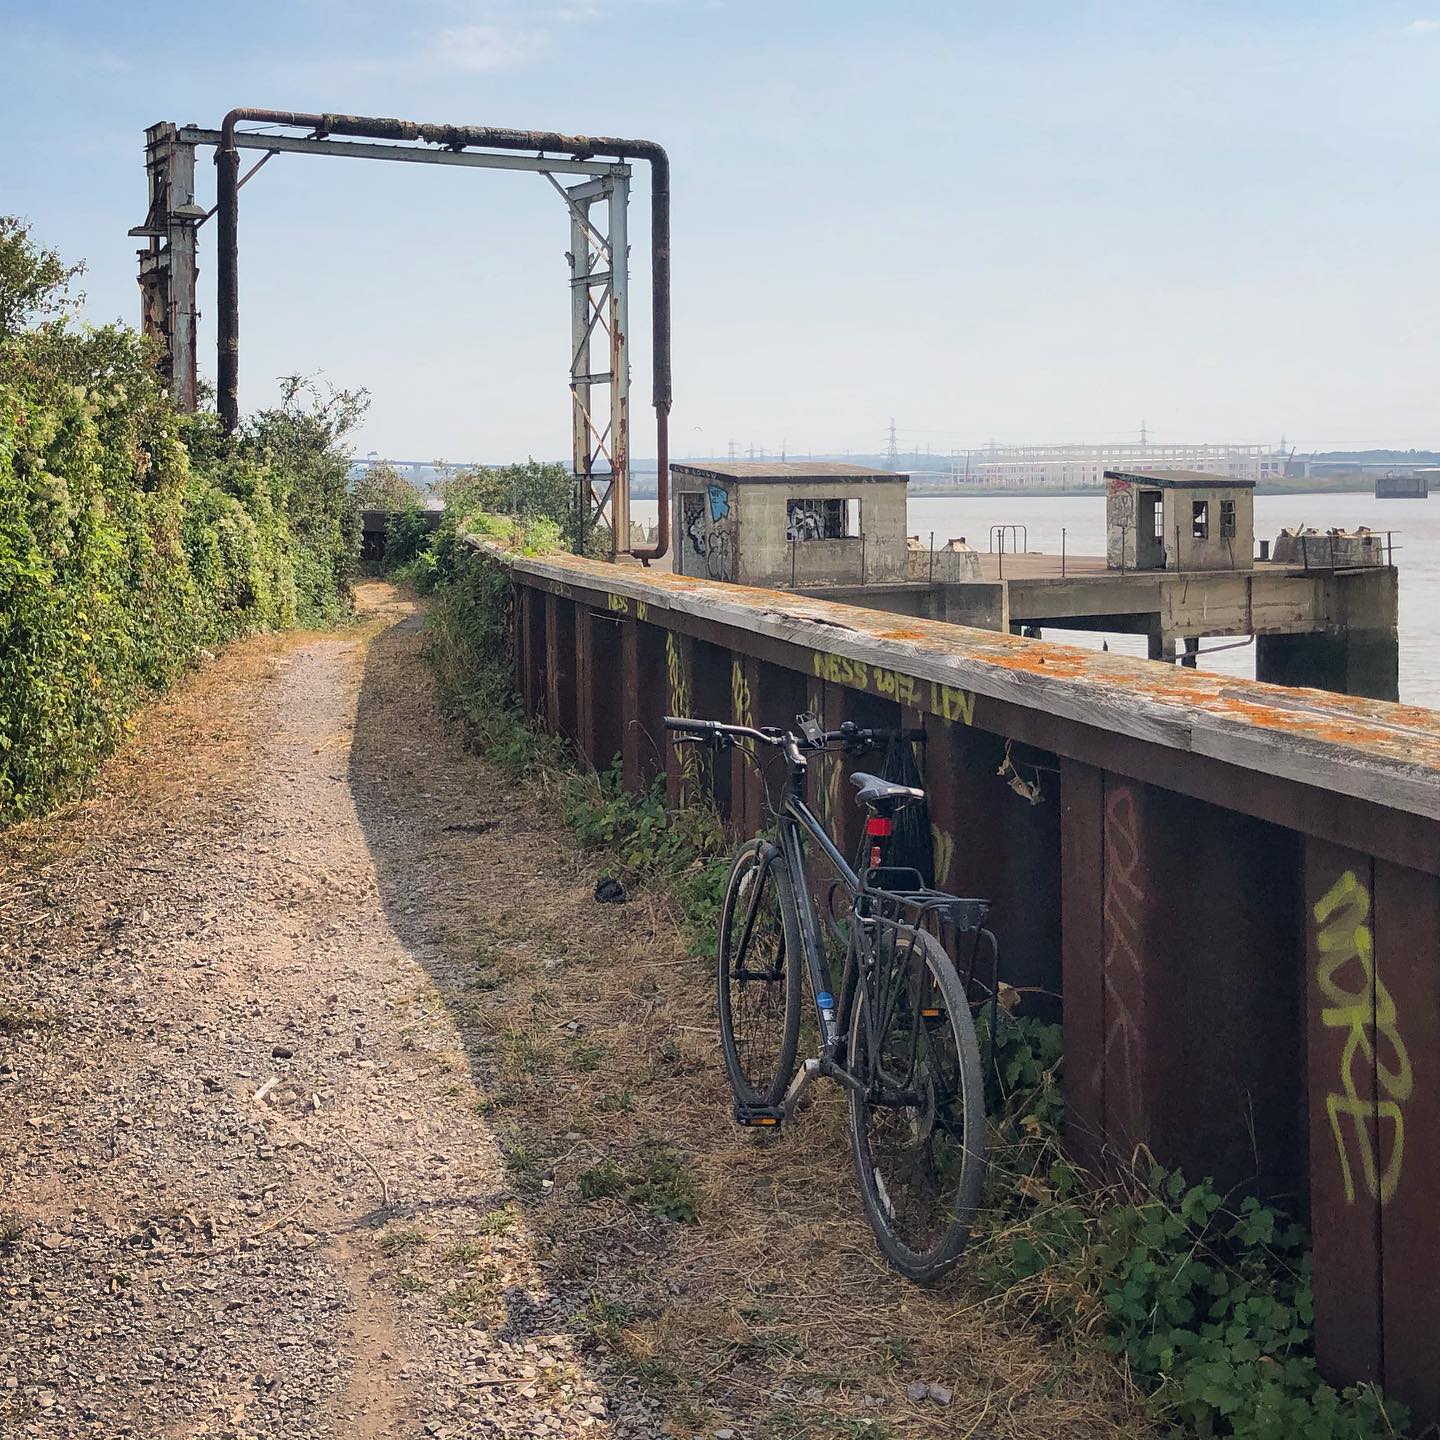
pixel 246 1184
pixel 332 1104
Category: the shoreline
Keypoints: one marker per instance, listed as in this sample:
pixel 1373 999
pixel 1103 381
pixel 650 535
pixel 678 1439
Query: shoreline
pixel 1051 492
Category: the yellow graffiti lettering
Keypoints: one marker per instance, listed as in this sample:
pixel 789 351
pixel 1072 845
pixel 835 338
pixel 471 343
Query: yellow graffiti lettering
pixel 619 604
pixel 944 846
pixel 740 699
pixel 641 609
pixel 903 688
pixel 1357 1002
pixel 677 673
pixel 952 704
pixel 841 670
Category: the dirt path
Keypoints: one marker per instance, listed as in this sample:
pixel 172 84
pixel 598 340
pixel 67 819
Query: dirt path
pixel 331 1104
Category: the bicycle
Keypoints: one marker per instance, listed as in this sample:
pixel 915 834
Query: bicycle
pixel 900 1038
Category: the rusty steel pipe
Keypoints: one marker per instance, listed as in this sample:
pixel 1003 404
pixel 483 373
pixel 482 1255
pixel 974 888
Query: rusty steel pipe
pixel 456 137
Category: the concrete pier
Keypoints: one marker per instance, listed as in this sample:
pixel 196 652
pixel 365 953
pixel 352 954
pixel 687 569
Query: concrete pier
pixel 1330 628
pixel 1179 565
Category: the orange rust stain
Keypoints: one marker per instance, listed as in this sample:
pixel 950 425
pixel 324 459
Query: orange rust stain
pixel 1198 691
pixel 1047 664
pixel 1336 732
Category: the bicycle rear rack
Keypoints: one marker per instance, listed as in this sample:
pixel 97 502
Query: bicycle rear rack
pixel 892 900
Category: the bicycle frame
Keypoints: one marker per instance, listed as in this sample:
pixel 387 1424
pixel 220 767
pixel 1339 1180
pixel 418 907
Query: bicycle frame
pixel 796 818
pixel 872 906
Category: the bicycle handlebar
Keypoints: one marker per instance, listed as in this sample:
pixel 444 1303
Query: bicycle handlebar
pixel 849 733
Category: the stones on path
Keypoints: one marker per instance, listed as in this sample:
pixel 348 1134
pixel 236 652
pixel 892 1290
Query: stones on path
pixel 200 1236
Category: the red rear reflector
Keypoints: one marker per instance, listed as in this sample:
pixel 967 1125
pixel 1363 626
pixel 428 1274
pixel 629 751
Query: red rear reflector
pixel 879 825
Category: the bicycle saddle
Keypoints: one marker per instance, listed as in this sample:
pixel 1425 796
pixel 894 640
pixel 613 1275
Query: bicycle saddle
pixel 883 796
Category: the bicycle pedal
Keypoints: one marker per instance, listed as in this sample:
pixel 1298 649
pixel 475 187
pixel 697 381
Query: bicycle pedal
pixel 760 1117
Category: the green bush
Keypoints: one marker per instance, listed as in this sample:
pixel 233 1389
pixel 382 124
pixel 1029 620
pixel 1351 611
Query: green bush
pixel 1207 1300
pixel 131 536
pixel 407 536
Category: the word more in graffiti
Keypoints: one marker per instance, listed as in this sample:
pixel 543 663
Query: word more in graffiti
pixel 1357 1003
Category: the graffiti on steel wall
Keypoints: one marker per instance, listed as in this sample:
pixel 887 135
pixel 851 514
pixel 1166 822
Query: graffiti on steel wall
pixel 677 674
pixel 1357 1003
pixel 944 849
pixel 620 605
pixel 825 767
pixel 1122 903
pixel 742 709
pixel 709 533
pixel 943 700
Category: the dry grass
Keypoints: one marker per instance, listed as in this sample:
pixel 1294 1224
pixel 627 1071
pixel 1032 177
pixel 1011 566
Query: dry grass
pixel 774 1314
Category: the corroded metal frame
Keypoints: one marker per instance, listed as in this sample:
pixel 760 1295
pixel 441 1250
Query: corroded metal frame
pixel 599 269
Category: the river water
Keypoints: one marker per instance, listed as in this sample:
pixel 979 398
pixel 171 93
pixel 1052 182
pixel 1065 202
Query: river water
pixel 1416 524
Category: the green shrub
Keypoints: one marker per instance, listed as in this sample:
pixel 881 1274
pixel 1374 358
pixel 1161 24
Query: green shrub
pixel 1208 1301
pixel 131 536
pixel 407 536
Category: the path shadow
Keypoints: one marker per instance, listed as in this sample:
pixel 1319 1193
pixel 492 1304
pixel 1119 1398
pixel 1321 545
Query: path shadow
pixel 429 815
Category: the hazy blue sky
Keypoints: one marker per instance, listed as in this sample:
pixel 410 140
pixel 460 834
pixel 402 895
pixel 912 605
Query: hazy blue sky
pixel 1013 219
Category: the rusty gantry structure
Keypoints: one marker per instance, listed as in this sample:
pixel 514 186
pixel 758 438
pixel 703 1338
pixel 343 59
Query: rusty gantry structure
pixel 598 258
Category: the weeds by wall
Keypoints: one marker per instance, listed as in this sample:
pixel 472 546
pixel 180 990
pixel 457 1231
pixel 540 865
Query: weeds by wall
pixel 131 537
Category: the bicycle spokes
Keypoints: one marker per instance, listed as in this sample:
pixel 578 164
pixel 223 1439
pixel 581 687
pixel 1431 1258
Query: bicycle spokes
pixel 915 1113
pixel 754 962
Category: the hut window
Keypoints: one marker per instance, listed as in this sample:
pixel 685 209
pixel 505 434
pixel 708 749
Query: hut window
pixel 1227 519
pixel 821 520
pixel 1200 520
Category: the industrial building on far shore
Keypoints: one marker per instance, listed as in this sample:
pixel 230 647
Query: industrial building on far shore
pixel 1069 467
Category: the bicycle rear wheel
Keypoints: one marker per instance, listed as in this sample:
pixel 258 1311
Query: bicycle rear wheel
pixel 918 1132
pixel 758 965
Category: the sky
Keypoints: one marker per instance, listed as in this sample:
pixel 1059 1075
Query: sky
pixel 1019 221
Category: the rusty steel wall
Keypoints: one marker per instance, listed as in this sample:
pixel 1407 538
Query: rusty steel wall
pixel 1246 959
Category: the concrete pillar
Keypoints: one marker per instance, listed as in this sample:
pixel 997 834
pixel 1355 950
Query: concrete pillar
pixel 985 606
pixel 1349 662
pixel 1357 652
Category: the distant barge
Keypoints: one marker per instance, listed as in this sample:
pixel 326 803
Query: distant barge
pixel 1402 487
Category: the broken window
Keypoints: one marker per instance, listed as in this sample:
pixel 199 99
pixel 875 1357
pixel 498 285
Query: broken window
pixel 1200 520
pixel 1157 518
pixel 1227 519
pixel 821 520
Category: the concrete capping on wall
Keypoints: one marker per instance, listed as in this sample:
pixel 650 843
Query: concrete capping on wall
pixel 1367 749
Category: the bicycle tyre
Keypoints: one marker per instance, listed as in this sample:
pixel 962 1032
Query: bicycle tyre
pixel 965 1107
pixel 759 1071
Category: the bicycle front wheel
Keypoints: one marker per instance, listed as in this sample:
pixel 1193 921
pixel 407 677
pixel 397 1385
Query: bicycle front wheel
pixel 758 968
pixel 918 1129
